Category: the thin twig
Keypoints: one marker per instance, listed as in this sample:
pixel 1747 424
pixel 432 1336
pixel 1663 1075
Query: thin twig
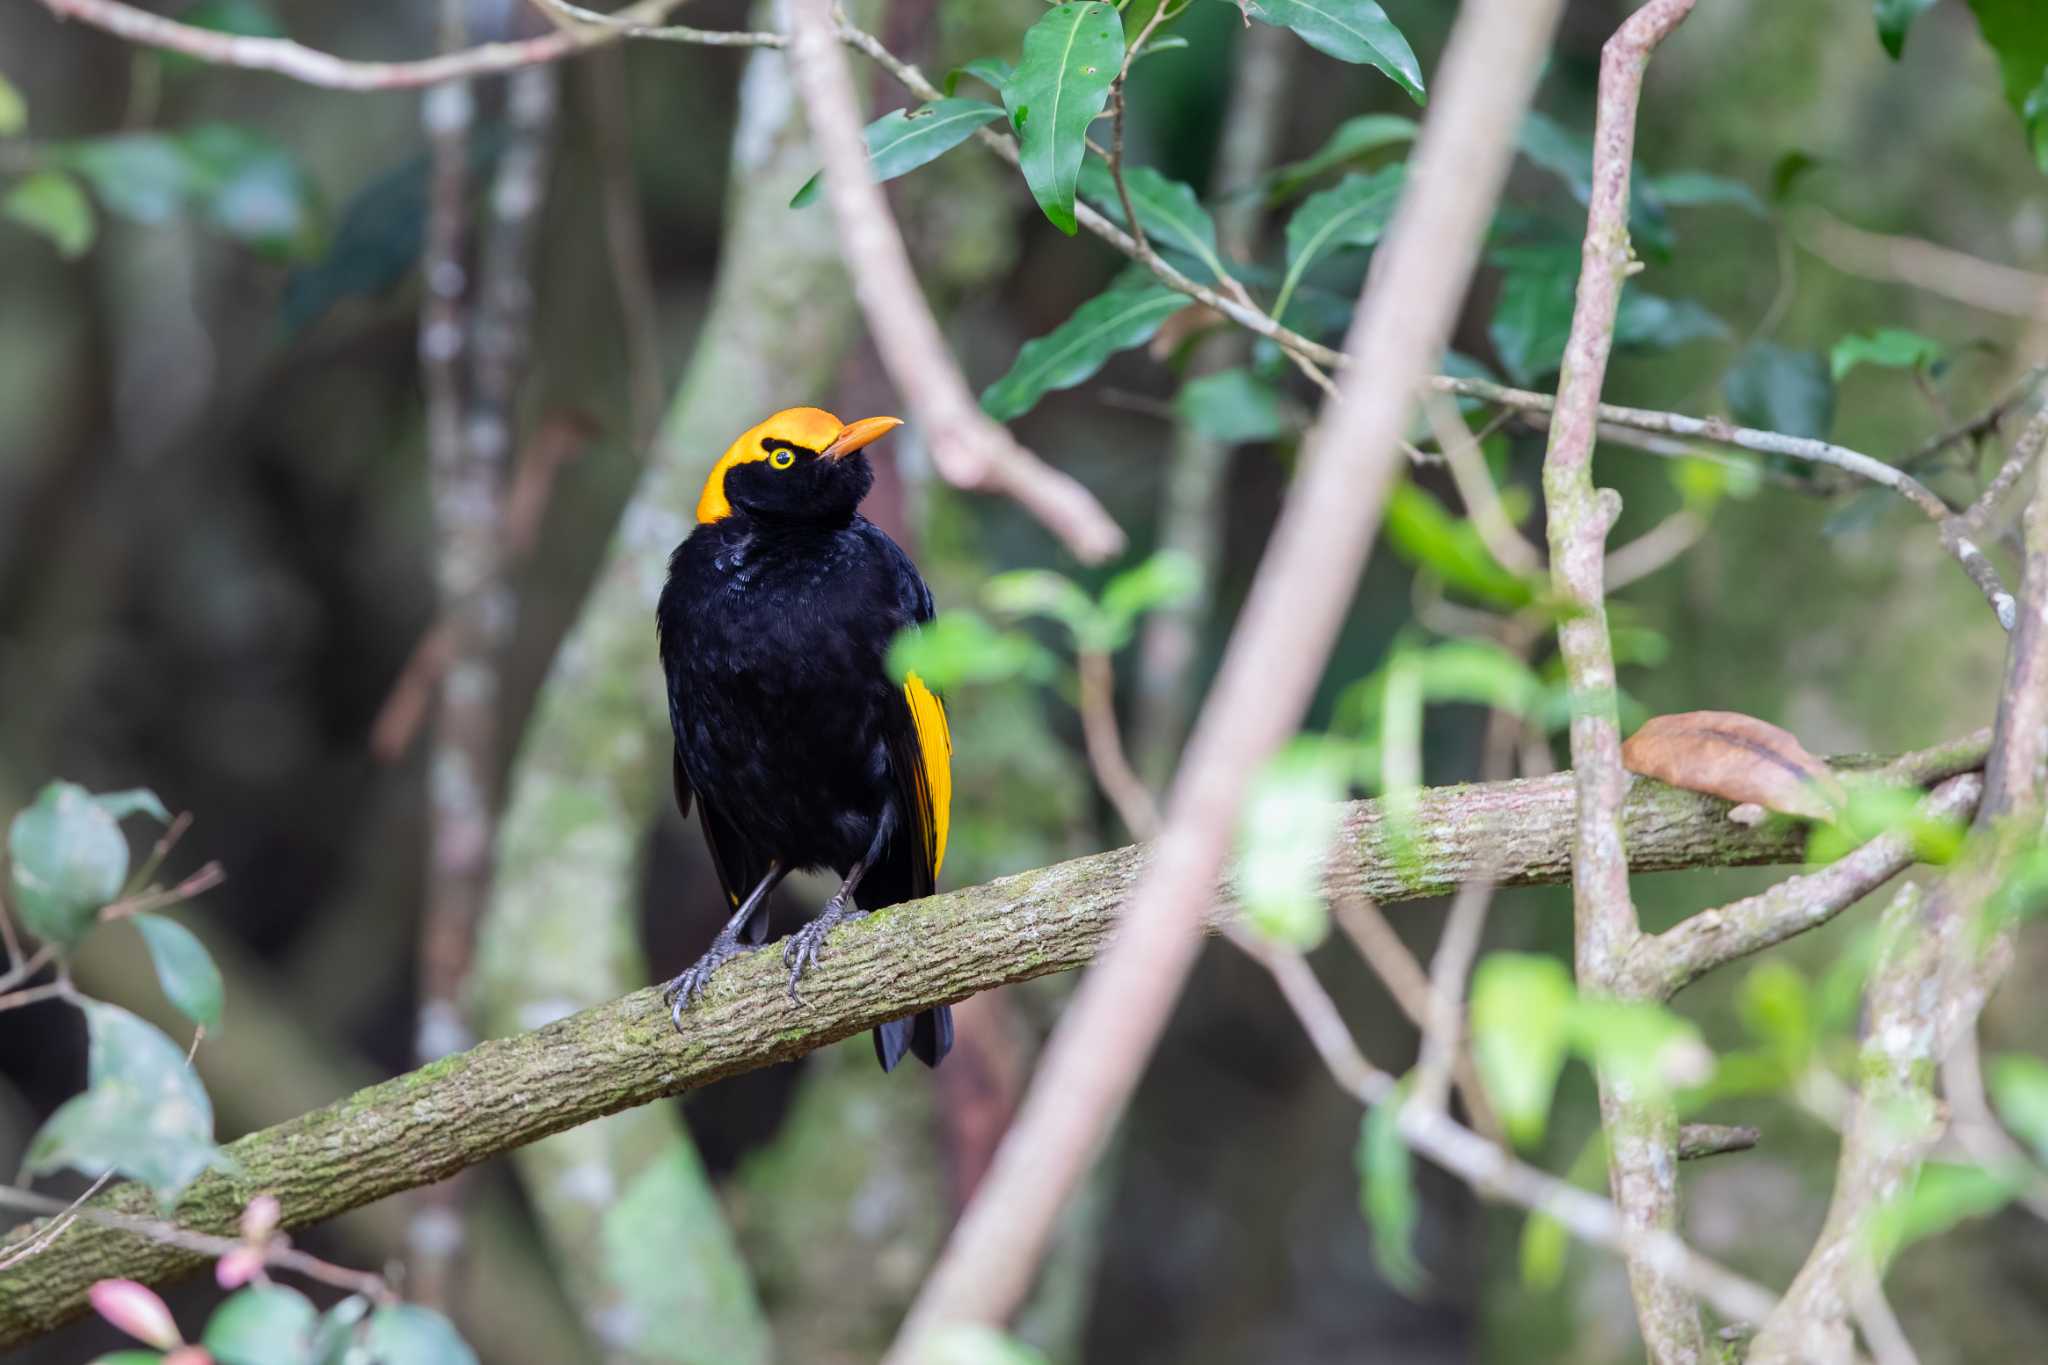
pixel 284 57
pixel 1299 596
pixel 1443 1038
pixel 1653 549
pixel 967 448
pixel 1926 265
pixel 1475 487
pixel 1113 772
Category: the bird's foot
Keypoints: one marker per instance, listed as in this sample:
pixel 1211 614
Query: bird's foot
pixel 801 950
pixel 679 992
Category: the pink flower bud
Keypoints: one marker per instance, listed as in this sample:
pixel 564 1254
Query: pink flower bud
pixel 237 1267
pixel 188 1355
pixel 136 1311
pixel 260 1219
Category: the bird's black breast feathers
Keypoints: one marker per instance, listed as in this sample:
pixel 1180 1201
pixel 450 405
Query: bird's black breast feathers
pixel 774 638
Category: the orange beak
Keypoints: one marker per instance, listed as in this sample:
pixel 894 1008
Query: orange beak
pixel 854 435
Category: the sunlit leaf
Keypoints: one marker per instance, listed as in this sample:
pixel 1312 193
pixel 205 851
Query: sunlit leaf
pixel 1879 809
pixel 1889 348
pixel 1521 1031
pixel 2019 1087
pixel 129 1358
pixel 265 1324
pixel 144 1113
pixel 1043 593
pixel 184 969
pixel 1775 1003
pixel 1354 212
pixel 1387 1195
pixel 1544 1247
pixel 1481 673
pixel 67 857
pixel 1173 218
pixel 13 109
pixel 406 1334
pixel 1944 1195
pixel 1232 406
pixel 1126 316
pixel 1291 819
pixel 1422 530
pixel 1646 1046
pixel 960 647
pixel 1071 58
pixel 992 72
pixel 1780 389
pixel 1355 137
pixel 903 139
pixel 1894 17
pixel 1350 30
pixel 1165 579
pixel 52 203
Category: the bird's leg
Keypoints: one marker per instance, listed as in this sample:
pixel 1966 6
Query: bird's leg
pixel 802 949
pixel 680 991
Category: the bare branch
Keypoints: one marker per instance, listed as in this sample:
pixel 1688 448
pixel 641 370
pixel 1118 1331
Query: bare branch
pixel 1641 1132
pixel 1925 265
pixel 284 57
pixel 1475 487
pixel 1276 654
pixel 968 448
pixel 1112 767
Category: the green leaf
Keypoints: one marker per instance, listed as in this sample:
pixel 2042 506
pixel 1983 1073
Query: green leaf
pixel 1354 212
pixel 1545 1245
pixel 143 1115
pixel 1650 322
pixel 184 969
pixel 134 801
pixel 406 1334
pixel 1877 809
pixel 1354 138
pixel 1481 673
pixel 974 1344
pixel 1943 1196
pixel 1521 1021
pixel 252 189
pixel 51 203
pixel 143 177
pixel 2019 1087
pixel 1165 579
pixel 2015 32
pixel 1569 156
pixel 960 647
pixel 1291 819
pixel 903 139
pixel 265 1324
pixel 1889 347
pixel 992 72
pixel 1780 389
pixel 1173 218
pixel 1789 169
pixel 1042 593
pixel 1697 189
pixel 337 1329
pixel 245 18
pixel 1351 31
pixel 129 1358
pixel 13 110
pixel 1648 1047
pixel 67 859
pixel 1775 1003
pixel 1894 17
pixel 1232 406
pixel 1126 316
pixel 1421 530
pixel 1386 1194
pixel 1071 58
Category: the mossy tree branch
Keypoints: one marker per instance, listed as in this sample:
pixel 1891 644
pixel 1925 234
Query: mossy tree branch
pixel 508 1092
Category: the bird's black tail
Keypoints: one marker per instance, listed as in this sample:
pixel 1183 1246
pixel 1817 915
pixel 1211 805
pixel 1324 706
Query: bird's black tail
pixel 928 1034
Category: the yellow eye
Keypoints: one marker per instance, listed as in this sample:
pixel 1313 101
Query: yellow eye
pixel 782 459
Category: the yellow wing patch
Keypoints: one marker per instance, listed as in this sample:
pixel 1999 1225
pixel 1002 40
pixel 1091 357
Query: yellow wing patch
pixel 935 772
pixel 810 428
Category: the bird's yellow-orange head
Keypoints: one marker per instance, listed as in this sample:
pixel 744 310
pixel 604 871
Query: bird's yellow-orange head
pixel 792 461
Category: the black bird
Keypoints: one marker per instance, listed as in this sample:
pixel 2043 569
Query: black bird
pixel 798 747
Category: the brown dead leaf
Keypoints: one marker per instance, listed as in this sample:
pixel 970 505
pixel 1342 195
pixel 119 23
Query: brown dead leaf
pixel 1736 757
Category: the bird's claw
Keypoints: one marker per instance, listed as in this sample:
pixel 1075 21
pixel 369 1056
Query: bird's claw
pixel 682 991
pixel 802 949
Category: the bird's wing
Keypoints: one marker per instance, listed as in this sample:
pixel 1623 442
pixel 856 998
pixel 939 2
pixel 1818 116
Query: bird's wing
pixel 921 758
